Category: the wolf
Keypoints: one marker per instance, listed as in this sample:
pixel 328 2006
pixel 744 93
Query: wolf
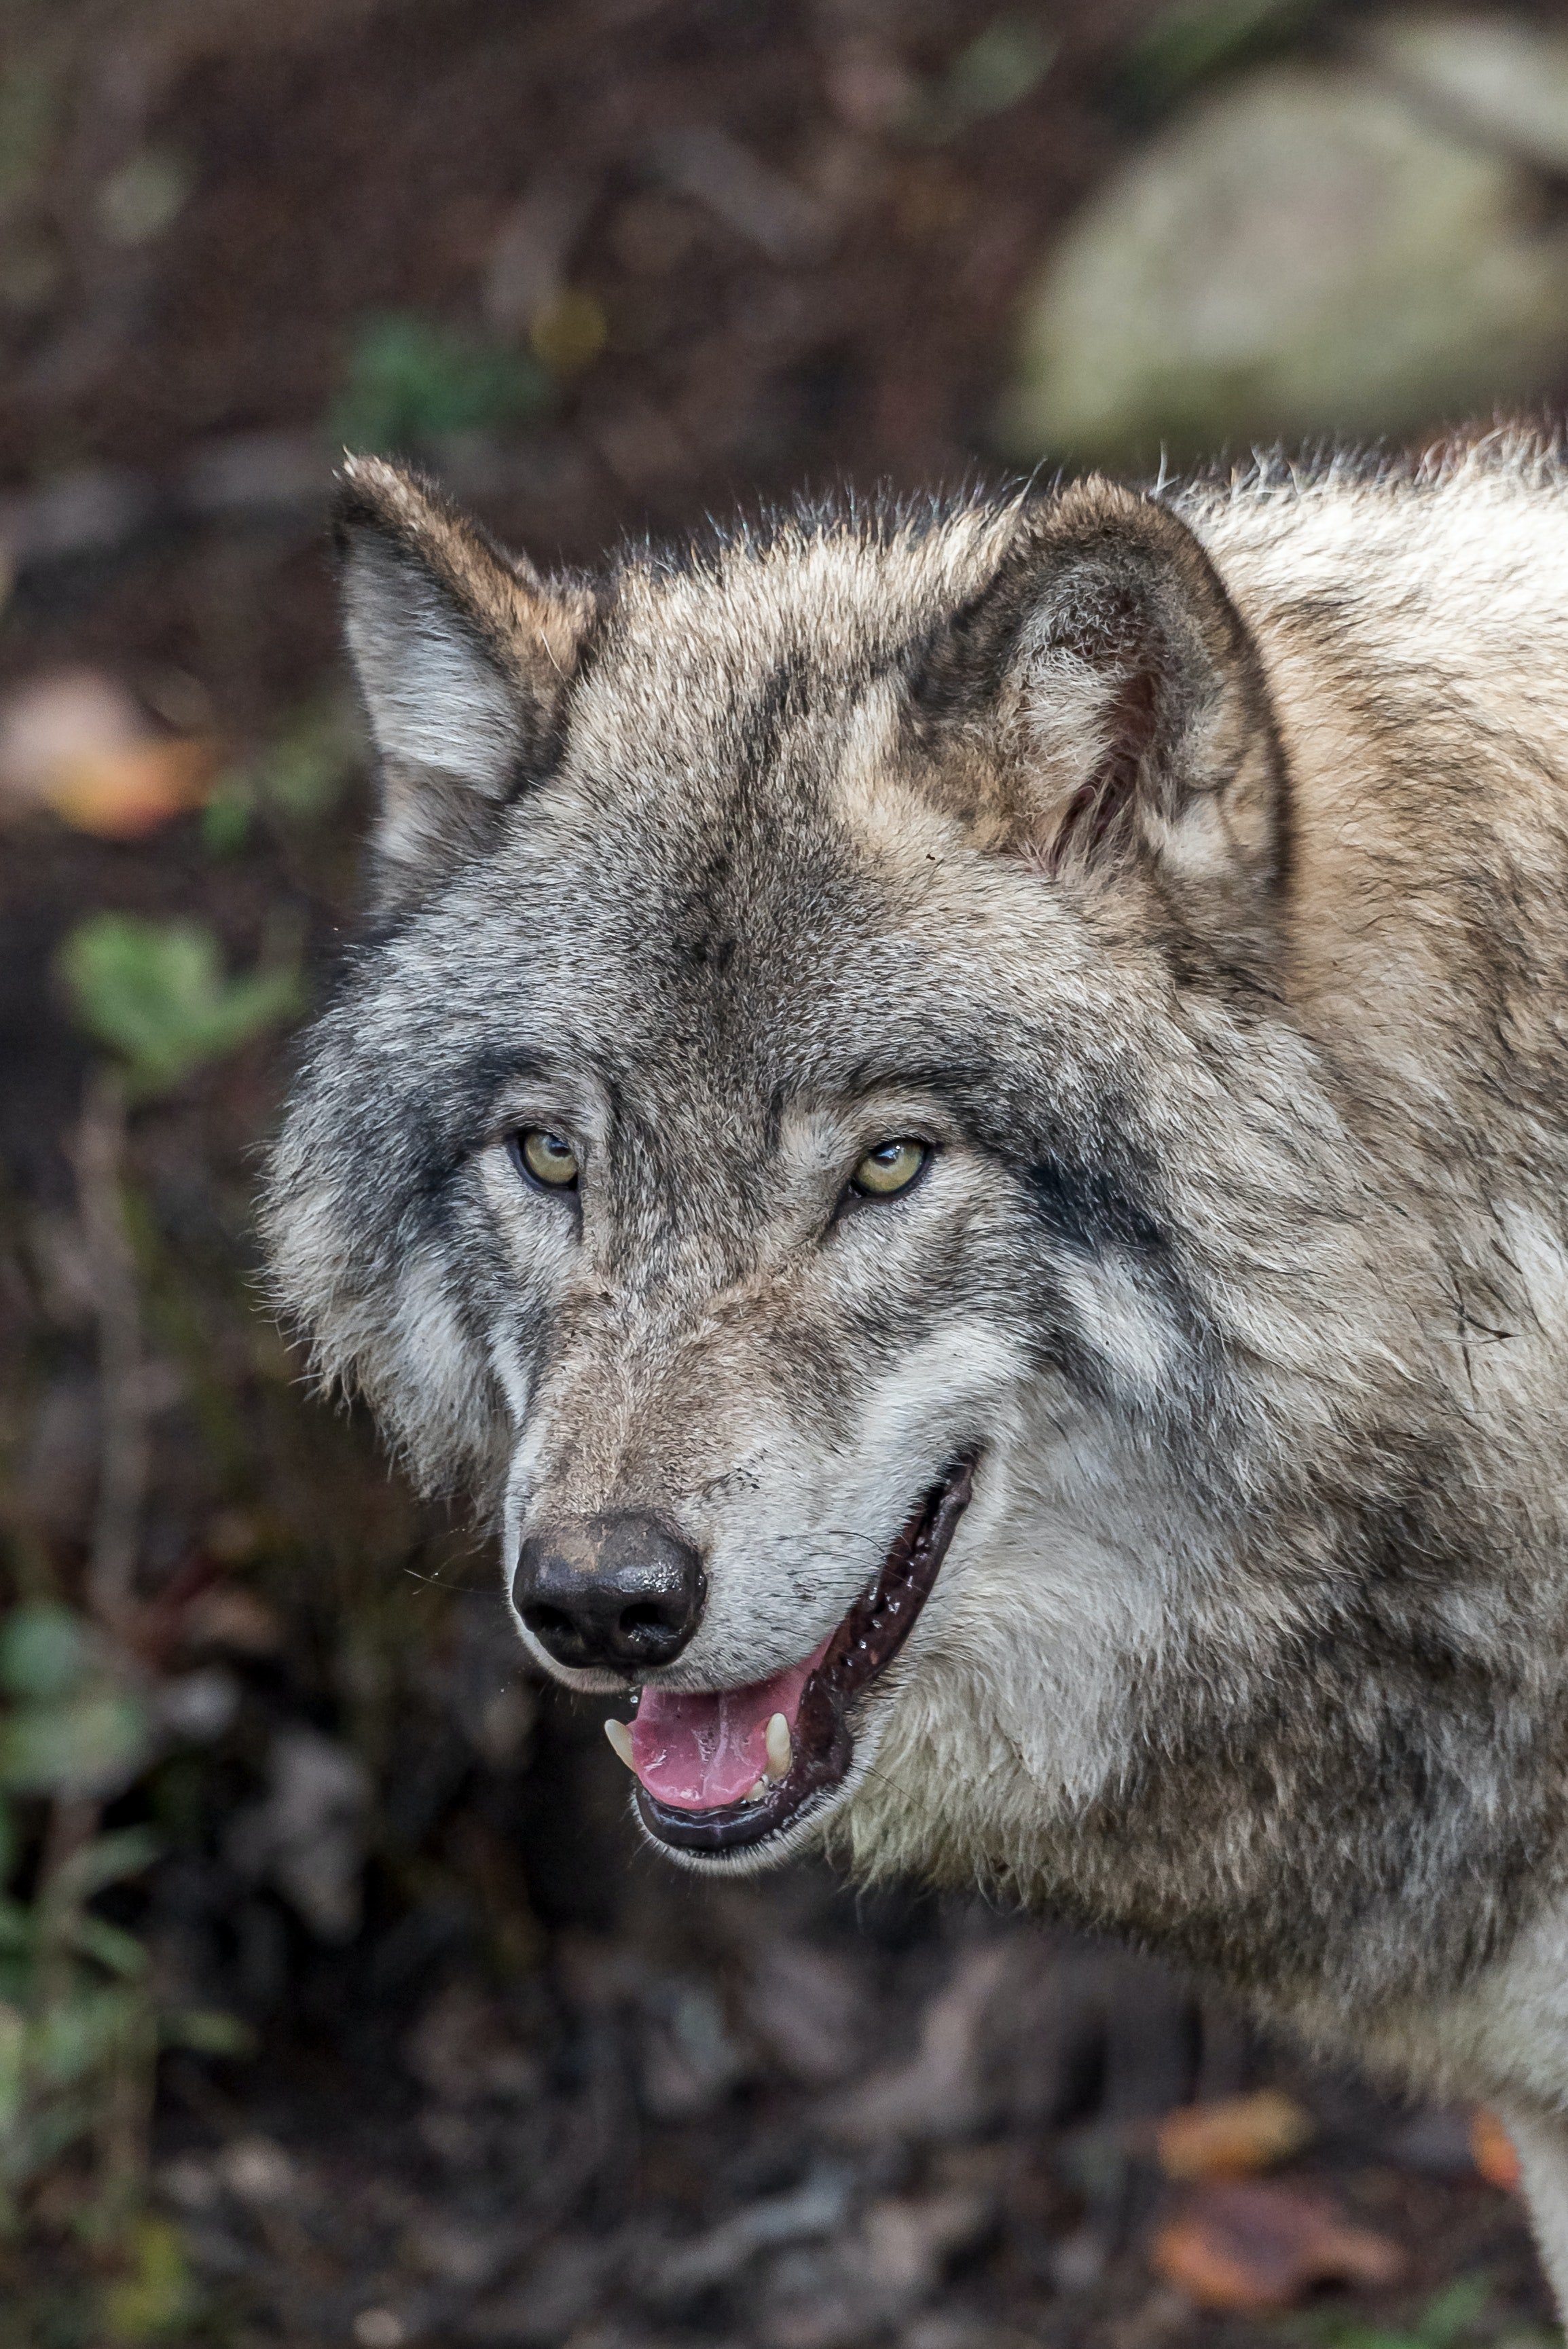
pixel 955 1117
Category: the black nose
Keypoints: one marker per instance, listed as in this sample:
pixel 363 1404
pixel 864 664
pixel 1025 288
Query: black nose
pixel 622 1592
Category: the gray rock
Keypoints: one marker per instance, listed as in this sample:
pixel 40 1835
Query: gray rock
pixel 1500 80
pixel 308 1836
pixel 1303 253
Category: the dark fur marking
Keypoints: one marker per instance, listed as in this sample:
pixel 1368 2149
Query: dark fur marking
pixel 1086 1210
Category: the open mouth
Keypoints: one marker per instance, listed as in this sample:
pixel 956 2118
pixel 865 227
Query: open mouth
pixel 718 1771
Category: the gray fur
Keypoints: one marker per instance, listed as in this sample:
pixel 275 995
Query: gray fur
pixel 1191 874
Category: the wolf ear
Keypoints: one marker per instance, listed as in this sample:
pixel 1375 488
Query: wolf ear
pixel 464 658
pixel 1135 720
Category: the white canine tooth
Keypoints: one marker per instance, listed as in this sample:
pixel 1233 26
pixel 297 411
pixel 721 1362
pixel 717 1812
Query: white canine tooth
pixel 780 1752
pixel 620 1737
pixel 757 1791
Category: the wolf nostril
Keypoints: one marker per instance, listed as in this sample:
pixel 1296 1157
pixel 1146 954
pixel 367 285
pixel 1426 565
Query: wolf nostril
pixel 616 1592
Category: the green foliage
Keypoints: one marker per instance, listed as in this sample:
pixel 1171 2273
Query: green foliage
pixel 73 1727
pixel 76 2028
pixel 89 1745
pixel 998 67
pixel 411 381
pixel 156 994
pixel 158 2299
pixel 993 71
pixel 297 781
pixel 44 1652
pixel 206 2031
pixel 30 111
pixel 1442 2324
pixel 80 2027
pixel 1191 40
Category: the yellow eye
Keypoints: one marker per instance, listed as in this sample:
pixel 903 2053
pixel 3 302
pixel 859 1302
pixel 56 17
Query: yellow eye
pixel 890 1167
pixel 546 1158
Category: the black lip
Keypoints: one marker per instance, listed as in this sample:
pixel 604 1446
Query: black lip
pixel 865 1642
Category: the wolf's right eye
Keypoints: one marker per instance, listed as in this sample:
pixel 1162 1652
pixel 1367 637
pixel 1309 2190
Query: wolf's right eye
pixel 890 1168
pixel 543 1158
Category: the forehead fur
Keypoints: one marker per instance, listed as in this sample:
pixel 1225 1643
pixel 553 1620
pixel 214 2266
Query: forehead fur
pixel 711 668
pixel 848 582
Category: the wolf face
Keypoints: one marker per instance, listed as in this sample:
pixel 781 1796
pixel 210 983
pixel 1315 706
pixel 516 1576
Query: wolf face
pixel 829 1140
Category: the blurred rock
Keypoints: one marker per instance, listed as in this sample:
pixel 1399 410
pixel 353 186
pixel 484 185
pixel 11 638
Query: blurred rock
pixel 308 1838
pixel 1301 254
pixel 258 2172
pixel 198 1706
pixel 1504 80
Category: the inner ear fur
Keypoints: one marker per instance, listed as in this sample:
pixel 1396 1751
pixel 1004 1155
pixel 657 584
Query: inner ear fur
pixel 1109 708
pixel 465 657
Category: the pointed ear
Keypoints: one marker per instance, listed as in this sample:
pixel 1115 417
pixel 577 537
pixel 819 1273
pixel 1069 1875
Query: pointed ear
pixel 465 657
pixel 1107 665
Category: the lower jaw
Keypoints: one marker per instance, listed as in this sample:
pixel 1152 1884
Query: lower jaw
pixel 823 1745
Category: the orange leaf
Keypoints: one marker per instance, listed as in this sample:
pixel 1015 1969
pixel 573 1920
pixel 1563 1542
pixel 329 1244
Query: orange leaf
pixel 131 794
pixel 80 743
pixel 1249 2247
pixel 1234 2136
pixel 1492 2150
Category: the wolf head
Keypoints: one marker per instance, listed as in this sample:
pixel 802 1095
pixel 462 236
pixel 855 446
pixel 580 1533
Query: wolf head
pixel 808 1143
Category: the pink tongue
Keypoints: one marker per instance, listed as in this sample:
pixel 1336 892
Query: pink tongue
pixel 702 1752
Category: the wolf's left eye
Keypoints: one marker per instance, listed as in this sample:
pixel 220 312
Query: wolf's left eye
pixel 890 1167
pixel 544 1158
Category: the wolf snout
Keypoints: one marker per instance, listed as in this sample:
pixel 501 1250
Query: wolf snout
pixel 619 1593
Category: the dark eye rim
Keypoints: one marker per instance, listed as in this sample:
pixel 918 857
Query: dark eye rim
pixel 854 1197
pixel 514 1142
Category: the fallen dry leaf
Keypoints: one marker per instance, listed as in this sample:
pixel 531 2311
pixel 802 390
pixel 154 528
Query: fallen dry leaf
pixel 1252 2246
pixel 1233 2137
pixel 1492 2149
pixel 79 744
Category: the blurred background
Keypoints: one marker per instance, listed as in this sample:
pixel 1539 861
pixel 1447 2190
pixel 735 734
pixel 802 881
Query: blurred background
pixel 337 2003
